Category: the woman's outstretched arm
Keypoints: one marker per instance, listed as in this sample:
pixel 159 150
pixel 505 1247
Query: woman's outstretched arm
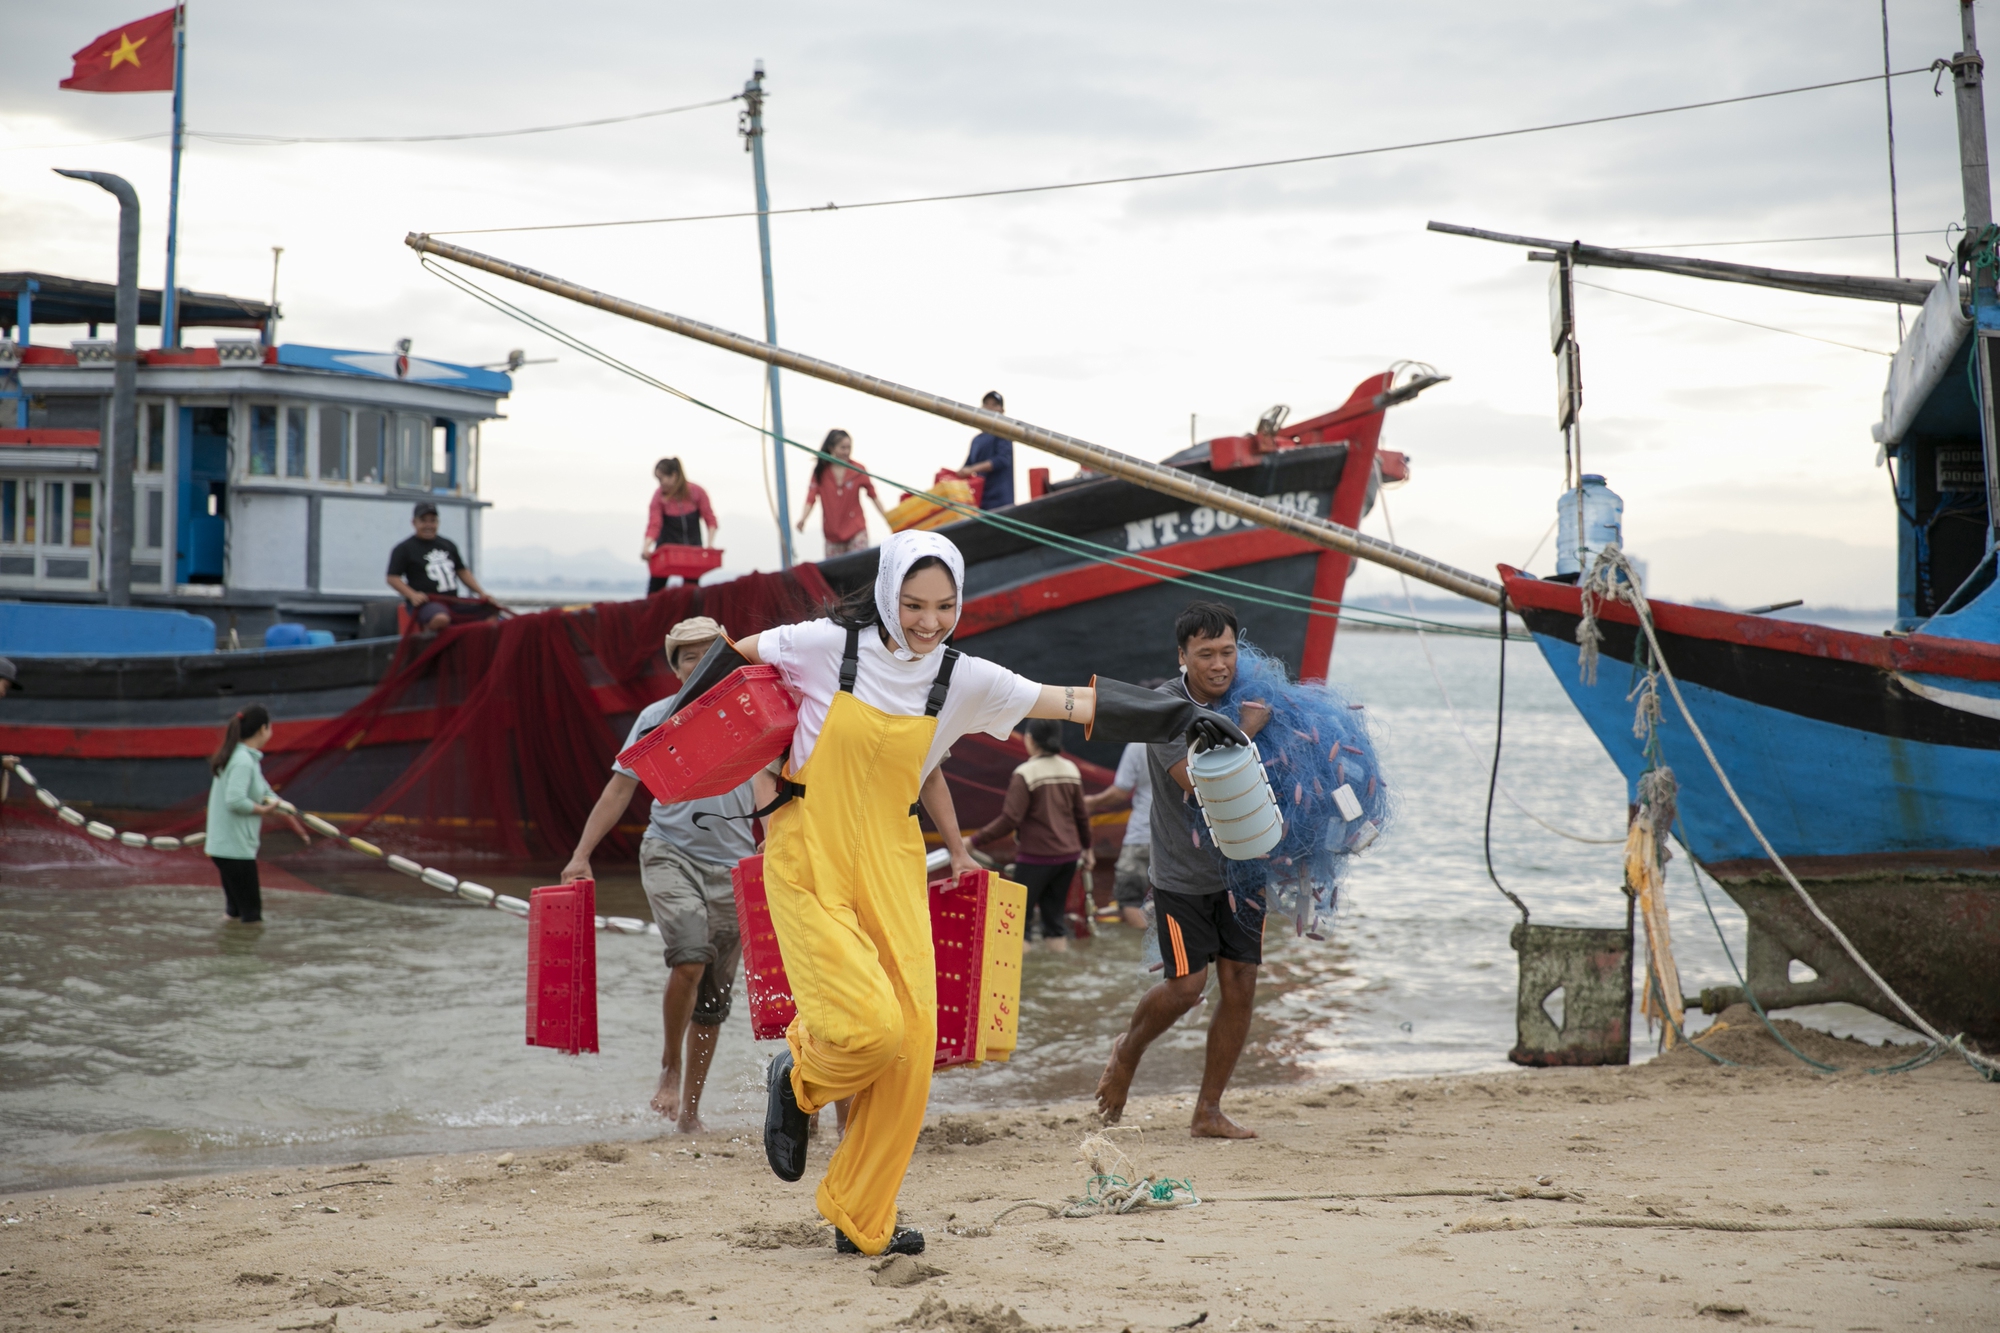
pixel 1066 703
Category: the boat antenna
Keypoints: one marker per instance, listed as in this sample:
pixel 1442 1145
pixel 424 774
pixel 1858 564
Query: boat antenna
pixel 271 322
pixel 1976 247
pixel 1889 108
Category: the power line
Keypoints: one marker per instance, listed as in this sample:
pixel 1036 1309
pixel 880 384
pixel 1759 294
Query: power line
pixel 235 139
pixel 1771 240
pixel 1191 171
pixel 273 140
pixel 1768 328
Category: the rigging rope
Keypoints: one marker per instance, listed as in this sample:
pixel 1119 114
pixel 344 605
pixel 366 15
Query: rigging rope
pixel 1604 584
pixel 1457 724
pixel 1213 582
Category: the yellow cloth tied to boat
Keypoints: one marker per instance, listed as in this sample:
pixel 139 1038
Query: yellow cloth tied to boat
pixel 1645 880
pixel 924 511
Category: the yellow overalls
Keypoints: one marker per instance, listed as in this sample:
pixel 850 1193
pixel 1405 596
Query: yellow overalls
pixel 844 875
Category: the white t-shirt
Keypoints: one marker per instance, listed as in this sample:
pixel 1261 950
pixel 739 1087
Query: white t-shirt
pixel 1134 776
pixel 983 696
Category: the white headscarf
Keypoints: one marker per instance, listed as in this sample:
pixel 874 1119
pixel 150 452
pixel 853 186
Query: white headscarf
pixel 902 550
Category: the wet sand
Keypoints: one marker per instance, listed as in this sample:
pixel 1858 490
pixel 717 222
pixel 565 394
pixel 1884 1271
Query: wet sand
pixel 1605 1175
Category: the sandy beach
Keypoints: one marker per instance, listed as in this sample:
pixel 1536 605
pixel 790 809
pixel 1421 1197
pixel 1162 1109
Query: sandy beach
pixel 1677 1193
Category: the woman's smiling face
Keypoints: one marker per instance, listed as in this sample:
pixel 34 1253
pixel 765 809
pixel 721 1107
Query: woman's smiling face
pixel 927 608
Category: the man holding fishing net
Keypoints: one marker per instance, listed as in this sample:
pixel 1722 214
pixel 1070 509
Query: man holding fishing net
pixel 1318 760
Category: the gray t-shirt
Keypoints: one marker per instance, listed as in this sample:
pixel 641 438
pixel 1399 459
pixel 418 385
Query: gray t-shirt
pixel 720 842
pixel 1180 864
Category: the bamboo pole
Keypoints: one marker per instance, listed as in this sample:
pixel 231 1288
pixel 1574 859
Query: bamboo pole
pixel 1153 476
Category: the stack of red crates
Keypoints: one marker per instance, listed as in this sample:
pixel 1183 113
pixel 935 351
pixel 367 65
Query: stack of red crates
pixel 958 935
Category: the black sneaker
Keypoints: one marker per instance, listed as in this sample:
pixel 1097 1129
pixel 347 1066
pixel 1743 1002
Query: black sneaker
pixel 907 1240
pixel 785 1125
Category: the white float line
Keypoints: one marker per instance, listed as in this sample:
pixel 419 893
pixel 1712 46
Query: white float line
pixel 477 894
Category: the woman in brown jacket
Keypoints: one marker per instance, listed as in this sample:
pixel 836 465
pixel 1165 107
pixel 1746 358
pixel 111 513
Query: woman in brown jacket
pixel 1045 804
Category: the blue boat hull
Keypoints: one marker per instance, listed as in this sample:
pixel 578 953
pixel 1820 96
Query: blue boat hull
pixel 1884 801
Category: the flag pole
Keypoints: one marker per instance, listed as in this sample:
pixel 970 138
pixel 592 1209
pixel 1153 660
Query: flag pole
pixel 170 333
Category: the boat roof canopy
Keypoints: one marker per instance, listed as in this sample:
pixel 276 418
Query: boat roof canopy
pixel 1922 362
pixel 60 300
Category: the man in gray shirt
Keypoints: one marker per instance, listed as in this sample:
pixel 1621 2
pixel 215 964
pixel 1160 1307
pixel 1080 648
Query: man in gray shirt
pixel 684 868
pixel 1198 919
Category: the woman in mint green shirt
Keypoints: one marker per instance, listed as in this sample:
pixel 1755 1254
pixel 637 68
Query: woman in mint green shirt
pixel 238 800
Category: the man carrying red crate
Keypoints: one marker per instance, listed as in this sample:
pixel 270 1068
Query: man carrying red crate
pixel 684 867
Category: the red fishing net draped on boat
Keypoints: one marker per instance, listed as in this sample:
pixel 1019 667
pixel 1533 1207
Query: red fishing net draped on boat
pixel 499 736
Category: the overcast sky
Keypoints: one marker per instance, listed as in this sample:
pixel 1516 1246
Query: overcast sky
pixel 1744 456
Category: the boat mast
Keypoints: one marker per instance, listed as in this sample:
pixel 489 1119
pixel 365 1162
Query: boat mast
pixel 1967 74
pixel 753 135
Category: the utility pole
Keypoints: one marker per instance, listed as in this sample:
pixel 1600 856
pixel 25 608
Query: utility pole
pixel 752 130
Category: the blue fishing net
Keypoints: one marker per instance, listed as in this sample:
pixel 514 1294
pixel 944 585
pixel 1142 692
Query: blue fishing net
pixel 1315 744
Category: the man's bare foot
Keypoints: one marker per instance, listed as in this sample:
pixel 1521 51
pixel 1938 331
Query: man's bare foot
pixel 1115 1084
pixel 1210 1123
pixel 1057 945
pixel 690 1123
pixel 667 1097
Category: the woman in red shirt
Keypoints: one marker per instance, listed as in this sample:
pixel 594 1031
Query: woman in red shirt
pixel 838 488
pixel 676 515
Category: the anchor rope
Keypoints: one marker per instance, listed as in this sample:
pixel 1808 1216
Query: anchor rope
pixel 477 894
pixel 1451 709
pixel 1603 585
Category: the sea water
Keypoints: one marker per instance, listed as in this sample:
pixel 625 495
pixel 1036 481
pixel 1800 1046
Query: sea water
pixel 139 1036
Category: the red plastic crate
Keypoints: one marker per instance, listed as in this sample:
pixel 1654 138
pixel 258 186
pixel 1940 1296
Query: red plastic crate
pixel 562 967
pixel 716 743
pixel 771 1007
pixel 689 562
pixel 958 934
pixel 958 937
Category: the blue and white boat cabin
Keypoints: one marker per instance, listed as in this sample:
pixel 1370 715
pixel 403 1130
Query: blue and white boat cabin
pixel 270 480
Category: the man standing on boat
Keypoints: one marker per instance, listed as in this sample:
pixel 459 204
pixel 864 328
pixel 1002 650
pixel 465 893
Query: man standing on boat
pixel 992 458
pixel 1199 919
pixel 684 868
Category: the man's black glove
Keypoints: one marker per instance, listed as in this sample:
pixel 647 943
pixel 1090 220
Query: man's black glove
pixel 715 665
pixel 1133 713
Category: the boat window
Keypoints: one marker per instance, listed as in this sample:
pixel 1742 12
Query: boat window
pixel 27 513
pixel 333 444
pixel 52 508
pixel 154 455
pixel 10 497
pixel 263 441
pixel 443 473
pixel 413 454
pixel 79 513
pixel 156 520
pixel 295 442
pixel 370 446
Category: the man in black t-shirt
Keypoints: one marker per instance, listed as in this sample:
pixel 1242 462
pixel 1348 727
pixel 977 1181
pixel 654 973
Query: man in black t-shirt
pixel 427 566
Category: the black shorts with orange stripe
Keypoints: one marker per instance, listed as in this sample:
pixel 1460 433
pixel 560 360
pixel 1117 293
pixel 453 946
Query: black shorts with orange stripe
pixel 1197 927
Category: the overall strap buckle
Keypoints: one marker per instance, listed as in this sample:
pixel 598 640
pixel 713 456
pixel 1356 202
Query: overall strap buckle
pixel 787 791
pixel 942 685
pixel 850 660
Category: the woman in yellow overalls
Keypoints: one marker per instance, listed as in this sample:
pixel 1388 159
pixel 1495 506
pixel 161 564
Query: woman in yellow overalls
pixel 880 705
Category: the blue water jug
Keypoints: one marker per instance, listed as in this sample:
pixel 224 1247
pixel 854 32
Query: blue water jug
pixel 1603 518
pixel 285 634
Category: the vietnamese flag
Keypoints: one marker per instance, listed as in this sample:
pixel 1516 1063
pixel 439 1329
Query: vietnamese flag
pixel 137 58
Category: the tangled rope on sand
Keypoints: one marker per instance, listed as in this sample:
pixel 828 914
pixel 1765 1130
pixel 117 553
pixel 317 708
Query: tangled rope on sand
pixel 1114 1187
